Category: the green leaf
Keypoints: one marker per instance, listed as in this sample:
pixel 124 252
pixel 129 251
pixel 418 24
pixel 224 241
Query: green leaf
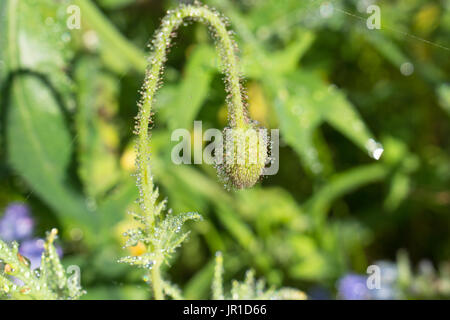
pixel 35 37
pixel 297 124
pixel 38 141
pixel 258 62
pixel 387 48
pixel 303 103
pixel 39 148
pixel 398 191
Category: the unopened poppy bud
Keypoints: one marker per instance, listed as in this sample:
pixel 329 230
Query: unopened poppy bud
pixel 245 156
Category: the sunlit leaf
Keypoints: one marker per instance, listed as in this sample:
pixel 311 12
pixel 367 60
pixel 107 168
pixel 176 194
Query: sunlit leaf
pixel 304 103
pixel 40 147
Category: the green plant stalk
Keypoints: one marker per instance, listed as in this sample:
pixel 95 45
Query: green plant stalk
pixel 157 282
pixel 152 80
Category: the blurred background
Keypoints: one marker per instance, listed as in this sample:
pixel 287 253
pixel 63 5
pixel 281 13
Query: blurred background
pixel 313 69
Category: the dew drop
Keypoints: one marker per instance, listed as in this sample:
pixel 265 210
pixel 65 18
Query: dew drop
pixel 375 149
pixel 407 68
pixel 326 10
pixel 66 37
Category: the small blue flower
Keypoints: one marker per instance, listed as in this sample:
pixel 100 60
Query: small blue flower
pixel 33 249
pixel 17 223
pixel 353 287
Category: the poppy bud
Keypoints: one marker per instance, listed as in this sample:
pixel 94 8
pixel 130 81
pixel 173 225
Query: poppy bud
pixel 245 156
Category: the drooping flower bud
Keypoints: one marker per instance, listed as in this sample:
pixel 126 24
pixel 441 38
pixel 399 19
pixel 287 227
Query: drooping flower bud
pixel 245 156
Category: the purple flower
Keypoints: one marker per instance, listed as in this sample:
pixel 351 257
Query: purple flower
pixel 33 249
pixel 17 223
pixel 353 287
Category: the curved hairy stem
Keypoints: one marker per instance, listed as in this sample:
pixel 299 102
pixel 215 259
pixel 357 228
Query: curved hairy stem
pixel 152 81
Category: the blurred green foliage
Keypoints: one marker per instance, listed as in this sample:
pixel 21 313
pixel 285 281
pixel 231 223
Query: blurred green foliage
pixel 327 82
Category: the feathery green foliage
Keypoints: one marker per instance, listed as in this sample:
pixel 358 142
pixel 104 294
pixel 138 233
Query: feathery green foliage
pixel 48 282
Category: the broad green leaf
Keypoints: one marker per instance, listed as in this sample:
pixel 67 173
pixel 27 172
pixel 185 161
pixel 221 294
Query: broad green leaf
pixel 297 125
pixel 344 117
pixel 303 102
pixel 32 37
pixel 39 145
pixel 39 148
pixel 35 37
pixel 259 63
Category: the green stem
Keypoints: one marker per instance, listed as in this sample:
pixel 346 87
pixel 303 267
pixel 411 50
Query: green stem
pixel 155 275
pixel 152 80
